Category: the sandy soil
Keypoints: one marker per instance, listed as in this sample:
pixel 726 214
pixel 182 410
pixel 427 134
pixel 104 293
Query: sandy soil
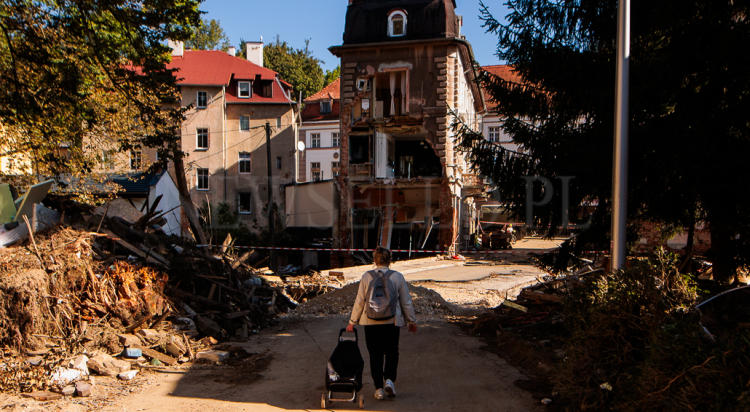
pixel 441 368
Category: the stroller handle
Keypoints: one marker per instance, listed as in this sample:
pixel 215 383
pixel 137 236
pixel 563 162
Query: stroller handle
pixel 356 336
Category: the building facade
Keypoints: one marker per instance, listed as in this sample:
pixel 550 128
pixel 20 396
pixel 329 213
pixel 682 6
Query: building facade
pixel 230 100
pixel 320 133
pixel 406 71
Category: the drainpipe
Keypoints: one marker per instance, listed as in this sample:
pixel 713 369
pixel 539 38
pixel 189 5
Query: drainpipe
pixel 224 137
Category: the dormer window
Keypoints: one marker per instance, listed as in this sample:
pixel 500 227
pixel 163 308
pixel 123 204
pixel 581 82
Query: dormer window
pixel 325 107
pixel 397 23
pixel 244 91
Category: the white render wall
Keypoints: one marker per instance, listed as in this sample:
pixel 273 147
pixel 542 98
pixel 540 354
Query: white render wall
pixel 326 153
pixel 505 140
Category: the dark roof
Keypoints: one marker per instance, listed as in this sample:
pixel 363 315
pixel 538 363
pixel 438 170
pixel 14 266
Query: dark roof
pixel 137 184
pixel 367 20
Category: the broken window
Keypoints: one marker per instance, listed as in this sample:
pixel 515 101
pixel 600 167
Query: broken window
pixel 244 203
pixel 391 94
pixel 359 149
pixel 415 158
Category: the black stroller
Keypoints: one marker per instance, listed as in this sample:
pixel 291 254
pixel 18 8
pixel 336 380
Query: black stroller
pixel 344 373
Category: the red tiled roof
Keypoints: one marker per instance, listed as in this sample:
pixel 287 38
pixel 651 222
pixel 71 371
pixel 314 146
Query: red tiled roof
pixel 218 68
pixel 503 71
pixel 332 91
pixel 311 112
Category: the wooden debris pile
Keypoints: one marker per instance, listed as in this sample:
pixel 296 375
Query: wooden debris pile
pixel 115 285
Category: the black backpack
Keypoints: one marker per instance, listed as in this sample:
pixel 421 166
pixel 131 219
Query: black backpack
pixel 382 296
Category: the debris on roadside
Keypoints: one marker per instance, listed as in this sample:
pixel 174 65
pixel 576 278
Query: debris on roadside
pixel 110 282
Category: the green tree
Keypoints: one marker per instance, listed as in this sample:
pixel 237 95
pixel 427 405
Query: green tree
pixel 208 36
pixel 76 69
pixel 688 113
pixel 296 66
pixel 331 76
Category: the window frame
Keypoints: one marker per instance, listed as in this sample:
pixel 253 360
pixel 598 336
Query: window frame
pixel 393 14
pixel 335 168
pixel 136 156
pixel 335 139
pixel 249 210
pixel 278 162
pixel 328 107
pixel 249 88
pixel 241 160
pixel 493 130
pixel 316 173
pixel 198 99
pixel 248 123
pixel 197 138
pixel 313 137
pixel 198 179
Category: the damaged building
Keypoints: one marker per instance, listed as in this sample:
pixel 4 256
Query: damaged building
pixel 406 71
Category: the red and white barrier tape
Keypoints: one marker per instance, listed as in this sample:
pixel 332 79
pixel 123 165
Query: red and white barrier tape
pixel 311 249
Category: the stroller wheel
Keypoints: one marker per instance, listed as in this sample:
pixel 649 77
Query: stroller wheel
pixel 361 402
pixel 323 401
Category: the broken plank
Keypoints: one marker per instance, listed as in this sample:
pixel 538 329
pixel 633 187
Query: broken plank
pixel 242 259
pixel 165 359
pixel 150 257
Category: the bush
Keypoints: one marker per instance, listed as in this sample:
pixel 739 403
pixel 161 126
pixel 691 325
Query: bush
pixel 636 344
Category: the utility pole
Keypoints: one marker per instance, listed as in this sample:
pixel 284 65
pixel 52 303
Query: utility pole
pixel 271 260
pixel 620 156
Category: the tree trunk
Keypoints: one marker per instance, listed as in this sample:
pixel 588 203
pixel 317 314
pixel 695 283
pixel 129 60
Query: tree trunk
pixel 187 203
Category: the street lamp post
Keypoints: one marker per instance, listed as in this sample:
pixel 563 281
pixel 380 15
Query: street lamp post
pixel 620 158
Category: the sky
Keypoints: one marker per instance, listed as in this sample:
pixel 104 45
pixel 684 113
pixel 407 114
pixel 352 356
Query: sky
pixel 322 21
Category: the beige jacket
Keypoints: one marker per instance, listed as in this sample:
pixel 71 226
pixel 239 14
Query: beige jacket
pixel 405 309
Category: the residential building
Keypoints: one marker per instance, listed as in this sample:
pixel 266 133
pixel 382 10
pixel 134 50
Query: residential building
pixel 406 72
pixel 229 101
pixel 491 125
pixel 321 134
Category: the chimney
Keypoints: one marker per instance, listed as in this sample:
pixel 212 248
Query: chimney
pixel 232 51
pixel 178 47
pixel 255 52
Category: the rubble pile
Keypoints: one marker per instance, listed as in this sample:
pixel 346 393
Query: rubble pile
pixel 426 302
pixel 104 286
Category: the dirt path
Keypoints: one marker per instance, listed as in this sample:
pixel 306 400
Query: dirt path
pixel 441 369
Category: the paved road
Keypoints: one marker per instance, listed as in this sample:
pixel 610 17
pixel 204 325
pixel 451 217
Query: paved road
pixel 441 270
pixel 441 369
